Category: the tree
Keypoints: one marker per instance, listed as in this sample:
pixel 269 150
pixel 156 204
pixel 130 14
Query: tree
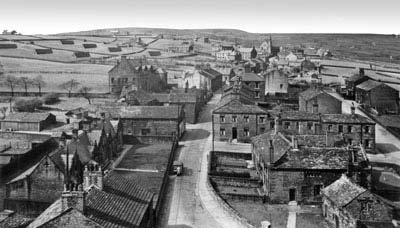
pixel 25 82
pixel 85 93
pixel 30 105
pixel 69 86
pixel 40 83
pixel 11 82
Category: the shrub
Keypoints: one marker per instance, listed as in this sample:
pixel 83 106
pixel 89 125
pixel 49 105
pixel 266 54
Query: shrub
pixel 51 98
pixel 28 105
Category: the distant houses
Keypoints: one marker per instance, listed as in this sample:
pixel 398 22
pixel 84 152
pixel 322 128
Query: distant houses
pixel 27 121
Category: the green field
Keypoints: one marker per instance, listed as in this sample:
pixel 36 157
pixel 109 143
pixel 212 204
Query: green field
pixel 92 75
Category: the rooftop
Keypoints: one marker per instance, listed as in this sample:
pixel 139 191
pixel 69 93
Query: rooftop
pixel 236 106
pixel 343 191
pixel 27 116
pixel 151 112
pixel 232 147
pixel 368 85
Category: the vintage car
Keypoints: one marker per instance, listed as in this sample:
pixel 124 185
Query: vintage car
pixel 177 167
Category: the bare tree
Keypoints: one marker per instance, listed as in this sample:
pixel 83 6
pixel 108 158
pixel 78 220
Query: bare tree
pixel 25 82
pixel 85 93
pixel 69 86
pixel 11 82
pixel 40 83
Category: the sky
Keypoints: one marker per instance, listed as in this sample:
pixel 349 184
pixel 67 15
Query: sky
pixel 260 16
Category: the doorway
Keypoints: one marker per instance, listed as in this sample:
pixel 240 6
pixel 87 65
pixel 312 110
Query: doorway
pixel 234 133
pixel 292 194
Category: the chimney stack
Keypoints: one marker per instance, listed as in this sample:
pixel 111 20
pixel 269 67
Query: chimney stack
pixel 93 176
pixel 295 144
pixel 276 124
pixel 353 109
pixel 73 196
pixel 75 134
pixel 271 151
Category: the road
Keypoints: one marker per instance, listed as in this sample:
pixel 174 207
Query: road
pixel 183 206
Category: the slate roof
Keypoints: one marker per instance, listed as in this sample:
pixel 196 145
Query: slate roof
pixel 343 191
pixel 355 77
pixel 25 174
pixel 317 158
pixel 369 85
pixel 280 143
pixel 251 77
pixel 209 72
pixel 345 118
pixel 10 219
pixel 32 117
pixel 299 115
pixel 121 203
pixel 236 106
pixel 311 93
pixel 151 112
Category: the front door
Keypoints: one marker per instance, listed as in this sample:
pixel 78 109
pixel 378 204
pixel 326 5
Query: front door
pixel 292 194
pixel 234 133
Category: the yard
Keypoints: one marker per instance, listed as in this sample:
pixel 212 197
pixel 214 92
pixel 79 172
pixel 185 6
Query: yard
pixel 256 212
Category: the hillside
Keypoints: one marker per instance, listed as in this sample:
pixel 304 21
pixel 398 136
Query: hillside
pixel 369 47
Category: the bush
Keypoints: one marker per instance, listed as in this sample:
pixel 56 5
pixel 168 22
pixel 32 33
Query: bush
pixel 51 98
pixel 28 105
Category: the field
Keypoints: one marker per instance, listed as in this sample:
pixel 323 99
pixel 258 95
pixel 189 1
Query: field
pixel 28 51
pixel 78 46
pixel 95 76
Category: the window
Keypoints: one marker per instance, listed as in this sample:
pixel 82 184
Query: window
pixel 367 143
pixel 281 86
pixel 349 128
pixel 222 131
pixel 145 131
pixel 272 125
pixel 350 141
pixel 262 129
pixel 287 125
pixel 340 128
pixel 246 132
pixel 262 119
pixel 112 80
pixel 367 129
pixel 246 119
pixel 257 94
pixel 257 85
pixel 330 127
pixel 317 189
pixel 309 125
pixel 222 118
pixel 234 118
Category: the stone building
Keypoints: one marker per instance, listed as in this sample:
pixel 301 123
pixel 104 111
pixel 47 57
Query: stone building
pixel 93 204
pixel 383 98
pixel 146 124
pixel 129 73
pixel 203 78
pixel 276 82
pixel 348 205
pixel 237 118
pixel 297 167
pixel 254 82
pixel 27 121
pixel 317 100
pixel 353 81
pixel 355 128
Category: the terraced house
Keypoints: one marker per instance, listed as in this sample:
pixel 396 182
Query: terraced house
pixel 355 129
pixel 298 167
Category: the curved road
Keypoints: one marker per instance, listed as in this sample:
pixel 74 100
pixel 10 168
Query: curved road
pixel 182 204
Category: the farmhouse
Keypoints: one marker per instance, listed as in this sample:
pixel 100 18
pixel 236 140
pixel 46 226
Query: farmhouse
pixel 27 121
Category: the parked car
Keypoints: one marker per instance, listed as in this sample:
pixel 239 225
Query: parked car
pixel 178 167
